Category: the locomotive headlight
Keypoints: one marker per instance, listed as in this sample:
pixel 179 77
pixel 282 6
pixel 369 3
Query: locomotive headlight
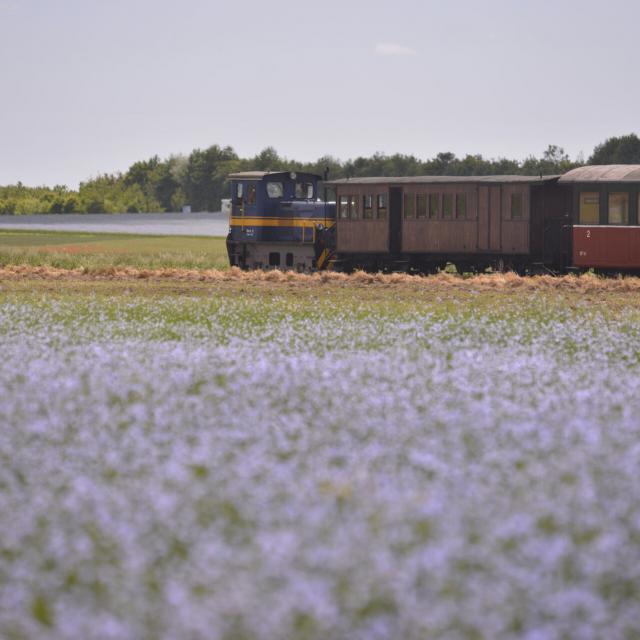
pixel 293 175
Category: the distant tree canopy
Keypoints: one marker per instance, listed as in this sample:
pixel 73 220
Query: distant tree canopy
pixel 621 150
pixel 199 179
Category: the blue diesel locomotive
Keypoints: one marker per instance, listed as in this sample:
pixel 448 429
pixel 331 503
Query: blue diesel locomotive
pixel 278 220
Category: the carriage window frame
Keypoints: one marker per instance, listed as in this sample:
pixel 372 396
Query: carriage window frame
pixel 516 209
pixel 581 202
pixel 409 212
pixel 367 206
pixel 381 206
pixel 343 207
pixel 434 206
pixel 353 207
pixel 625 213
pixel 447 206
pixel 461 206
pixel 422 205
pixel 275 183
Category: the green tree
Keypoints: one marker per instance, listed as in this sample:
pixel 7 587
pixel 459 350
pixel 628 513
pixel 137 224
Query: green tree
pixel 617 150
pixel 203 183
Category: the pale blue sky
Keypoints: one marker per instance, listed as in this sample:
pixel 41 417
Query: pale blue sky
pixel 89 87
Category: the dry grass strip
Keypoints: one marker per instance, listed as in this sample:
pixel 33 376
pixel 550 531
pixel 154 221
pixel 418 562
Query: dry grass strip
pixel 498 281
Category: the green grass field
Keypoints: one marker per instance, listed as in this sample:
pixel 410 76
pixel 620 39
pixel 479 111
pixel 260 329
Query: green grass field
pixel 72 250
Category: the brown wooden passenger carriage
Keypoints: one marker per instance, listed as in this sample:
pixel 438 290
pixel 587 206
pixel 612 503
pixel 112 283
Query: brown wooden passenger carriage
pixel 424 222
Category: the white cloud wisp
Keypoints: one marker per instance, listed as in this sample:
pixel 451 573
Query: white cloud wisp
pixel 392 49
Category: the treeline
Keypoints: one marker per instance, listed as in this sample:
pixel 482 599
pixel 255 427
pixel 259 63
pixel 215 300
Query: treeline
pixel 198 180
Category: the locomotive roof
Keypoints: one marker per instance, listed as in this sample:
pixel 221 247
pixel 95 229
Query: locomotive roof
pixel 604 173
pixel 442 179
pixel 258 175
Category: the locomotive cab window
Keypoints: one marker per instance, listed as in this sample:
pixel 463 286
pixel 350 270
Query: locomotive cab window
pixel 239 192
pixel 275 189
pixel 304 190
pixel 447 205
pixel 382 206
pixel 516 206
pixel 409 205
pixel 619 208
pixel 367 206
pixel 344 206
pixel 251 194
pixel 589 207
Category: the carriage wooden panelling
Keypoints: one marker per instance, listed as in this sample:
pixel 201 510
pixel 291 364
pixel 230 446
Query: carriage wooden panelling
pixel 358 236
pixel 360 233
pixel 439 234
pixel 496 219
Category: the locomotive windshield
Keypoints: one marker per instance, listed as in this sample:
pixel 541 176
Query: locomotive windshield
pixel 275 189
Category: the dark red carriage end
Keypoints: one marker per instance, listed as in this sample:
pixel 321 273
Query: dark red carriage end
pixel 606 247
pixel 606 229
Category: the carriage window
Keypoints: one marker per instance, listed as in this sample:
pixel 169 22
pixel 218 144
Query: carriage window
pixel 251 194
pixel 304 190
pixel 461 205
pixel 367 206
pixel 353 207
pixel 421 205
pixel 344 206
pixel 434 205
pixel 516 206
pixel 589 207
pixel 409 205
pixel 382 206
pixel 239 192
pixel 275 189
pixel 447 205
pixel 618 208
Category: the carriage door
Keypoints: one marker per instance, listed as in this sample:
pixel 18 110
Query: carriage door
pixel 495 218
pixel 483 218
pixel 395 219
pixel 489 218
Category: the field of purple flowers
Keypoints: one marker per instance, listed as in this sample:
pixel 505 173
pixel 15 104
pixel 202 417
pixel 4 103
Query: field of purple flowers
pixel 218 468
